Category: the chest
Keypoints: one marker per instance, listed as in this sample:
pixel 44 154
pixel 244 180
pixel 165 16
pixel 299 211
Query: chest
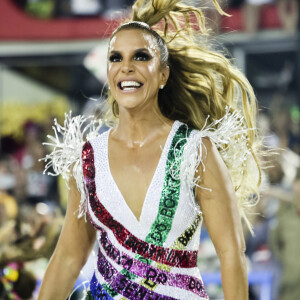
pixel 133 169
pixel 141 192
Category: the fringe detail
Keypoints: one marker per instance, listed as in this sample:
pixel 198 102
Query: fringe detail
pixel 65 159
pixel 229 134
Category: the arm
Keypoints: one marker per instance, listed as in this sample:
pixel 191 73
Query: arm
pixel 223 222
pixel 74 245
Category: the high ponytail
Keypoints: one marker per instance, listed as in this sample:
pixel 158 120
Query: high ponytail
pixel 202 82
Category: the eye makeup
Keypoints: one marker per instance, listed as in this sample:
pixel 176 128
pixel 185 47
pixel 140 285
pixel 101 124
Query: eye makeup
pixel 115 57
pixel 139 55
pixel 142 56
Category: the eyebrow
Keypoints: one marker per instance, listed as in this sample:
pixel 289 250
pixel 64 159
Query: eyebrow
pixel 135 51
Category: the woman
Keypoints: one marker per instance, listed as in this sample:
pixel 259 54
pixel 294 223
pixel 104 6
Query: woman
pixel 148 182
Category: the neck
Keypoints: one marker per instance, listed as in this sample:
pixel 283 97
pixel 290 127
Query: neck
pixel 138 128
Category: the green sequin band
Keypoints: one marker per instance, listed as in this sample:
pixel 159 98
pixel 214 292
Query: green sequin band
pixel 171 188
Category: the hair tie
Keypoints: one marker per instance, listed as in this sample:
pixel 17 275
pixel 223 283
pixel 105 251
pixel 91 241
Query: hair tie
pixel 138 23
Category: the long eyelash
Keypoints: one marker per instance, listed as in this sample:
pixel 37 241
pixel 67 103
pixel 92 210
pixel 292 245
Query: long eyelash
pixel 113 57
pixel 144 55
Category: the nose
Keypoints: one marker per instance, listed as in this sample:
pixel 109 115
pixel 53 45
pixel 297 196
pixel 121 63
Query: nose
pixel 127 66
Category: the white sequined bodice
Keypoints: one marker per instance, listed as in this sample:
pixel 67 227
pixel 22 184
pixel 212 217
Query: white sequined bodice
pixel 114 202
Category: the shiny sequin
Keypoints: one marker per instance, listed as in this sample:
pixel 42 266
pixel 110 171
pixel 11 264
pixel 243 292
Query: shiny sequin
pixel 122 284
pixel 98 292
pixel 180 243
pixel 151 274
pixel 170 194
pixel 152 261
pixel 188 234
pixel 175 258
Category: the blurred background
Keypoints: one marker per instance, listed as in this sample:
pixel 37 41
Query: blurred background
pixel 53 60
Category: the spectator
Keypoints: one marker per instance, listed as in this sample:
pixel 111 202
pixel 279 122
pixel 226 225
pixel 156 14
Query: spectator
pixel 8 204
pixel 16 283
pixel 33 187
pixel 252 10
pixel 213 17
pixel 285 241
pixel 288 11
pixel 41 240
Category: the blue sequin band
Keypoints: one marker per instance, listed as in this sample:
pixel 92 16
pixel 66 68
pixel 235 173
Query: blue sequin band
pixel 97 290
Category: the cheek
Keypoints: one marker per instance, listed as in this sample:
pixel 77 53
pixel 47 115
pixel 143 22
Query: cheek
pixel 153 70
pixel 111 71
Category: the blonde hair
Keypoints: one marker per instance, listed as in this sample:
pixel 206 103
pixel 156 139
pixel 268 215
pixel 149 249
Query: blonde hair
pixel 202 82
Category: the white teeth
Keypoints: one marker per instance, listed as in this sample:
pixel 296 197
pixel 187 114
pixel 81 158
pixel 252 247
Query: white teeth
pixel 129 88
pixel 130 83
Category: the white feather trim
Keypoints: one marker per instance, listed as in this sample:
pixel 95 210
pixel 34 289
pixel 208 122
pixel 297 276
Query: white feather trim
pixel 67 147
pixel 229 134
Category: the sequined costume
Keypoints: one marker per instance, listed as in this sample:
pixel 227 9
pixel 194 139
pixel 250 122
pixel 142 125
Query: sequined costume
pixel 154 257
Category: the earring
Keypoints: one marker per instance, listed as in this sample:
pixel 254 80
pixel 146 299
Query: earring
pixel 161 86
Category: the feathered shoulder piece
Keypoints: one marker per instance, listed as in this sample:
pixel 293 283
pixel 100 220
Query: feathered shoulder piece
pixel 67 143
pixel 230 135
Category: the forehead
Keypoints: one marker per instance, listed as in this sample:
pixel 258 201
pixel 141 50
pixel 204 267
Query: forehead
pixel 132 39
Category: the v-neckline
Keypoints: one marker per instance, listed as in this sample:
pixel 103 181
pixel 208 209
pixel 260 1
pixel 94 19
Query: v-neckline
pixel 163 154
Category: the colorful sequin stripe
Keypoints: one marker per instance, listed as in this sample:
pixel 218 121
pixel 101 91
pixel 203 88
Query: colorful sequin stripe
pixel 180 243
pixel 122 284
pixel 151 274
pixel 185 238
pixel 170 196
pixel 170 193
pixel 169 199
pixel 168 256
pixel 174 258
pixel 98 292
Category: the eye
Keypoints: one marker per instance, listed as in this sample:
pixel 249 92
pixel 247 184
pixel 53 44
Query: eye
pixel 142 56
pixel 115 58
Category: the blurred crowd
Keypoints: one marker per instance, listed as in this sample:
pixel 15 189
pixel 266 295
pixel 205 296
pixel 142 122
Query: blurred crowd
pixel 30 213
pixel 276 218
pixel 74 8
pixel 251 13
pixel 287 10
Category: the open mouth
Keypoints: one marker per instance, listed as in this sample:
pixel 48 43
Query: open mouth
pixel 129 85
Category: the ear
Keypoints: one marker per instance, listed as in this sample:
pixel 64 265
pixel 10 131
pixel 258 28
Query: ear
pixel 165 72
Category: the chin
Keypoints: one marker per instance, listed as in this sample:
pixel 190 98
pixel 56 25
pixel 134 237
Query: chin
pixel 128 103
pixel 132 103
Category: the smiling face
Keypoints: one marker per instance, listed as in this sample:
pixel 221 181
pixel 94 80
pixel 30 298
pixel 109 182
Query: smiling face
pixel 134 69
